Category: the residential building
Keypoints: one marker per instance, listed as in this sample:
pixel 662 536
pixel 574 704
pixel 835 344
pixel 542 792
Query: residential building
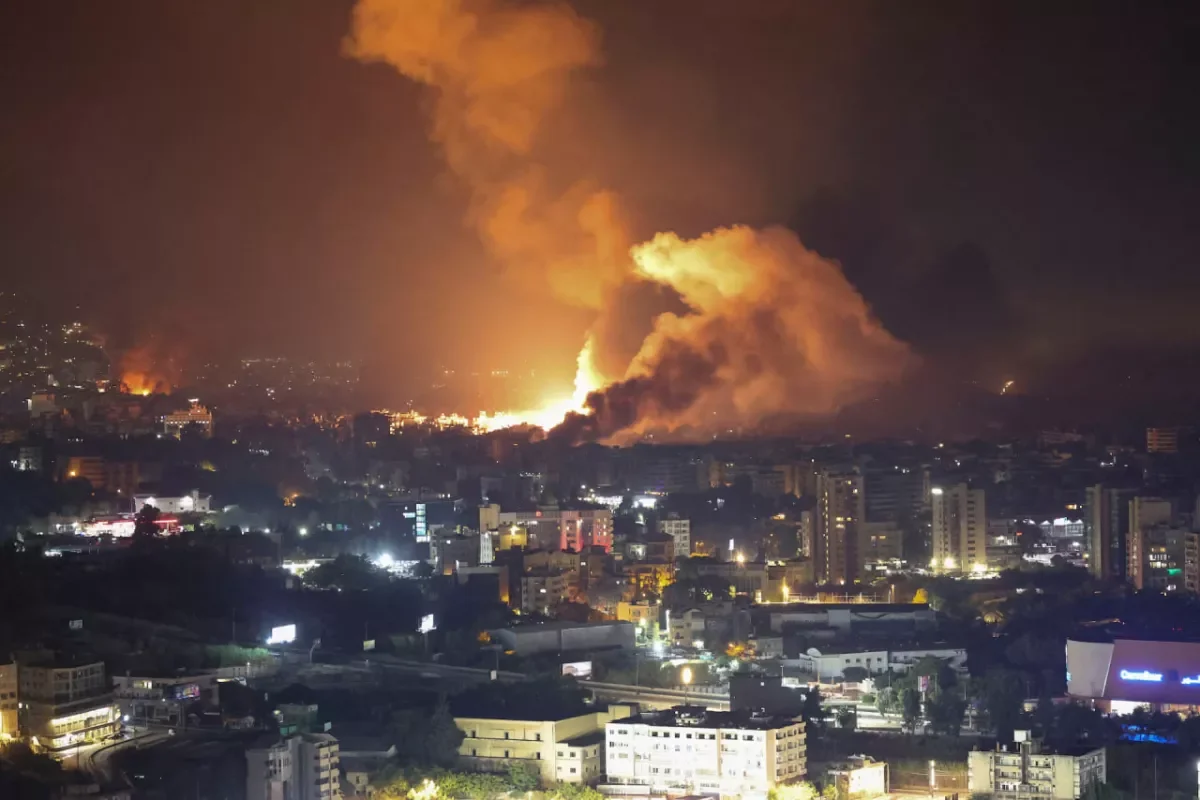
pixel 1106 525
pixel 859 776
pixel 840 509
pixel 568 750
pixel 686 627
pixel 66 705
pixel 879 543
pixel 1145 512
pixel 1191 562
pixel 1026 769
pixel 449 551
pixel 895 493
pixel 88 468
pixel 301 767
pixel 681 531
pixel 642 615
pixel 191 503
pixel 959 529
pixel 690 750
pixel 543 588
pixel 1157 557
pixel 9 726
pixel 195 417
pixel 1162 440
pixel 559 529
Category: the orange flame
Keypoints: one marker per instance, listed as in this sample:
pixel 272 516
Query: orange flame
pixel 140 373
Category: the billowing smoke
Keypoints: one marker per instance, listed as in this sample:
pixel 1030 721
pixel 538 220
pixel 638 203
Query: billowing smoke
pixel 760 328
pixel 499 70
pixel 771 329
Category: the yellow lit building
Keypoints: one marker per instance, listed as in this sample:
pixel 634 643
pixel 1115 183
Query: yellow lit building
pixel 569 750
pixel 8 701
pixel 67 706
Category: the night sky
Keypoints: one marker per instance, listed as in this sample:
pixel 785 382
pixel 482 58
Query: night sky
pixel 1011 185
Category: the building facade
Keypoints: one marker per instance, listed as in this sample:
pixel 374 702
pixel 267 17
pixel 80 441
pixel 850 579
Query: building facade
pixel 680 530
pixel 66 706
pixel 301 767
pixel 1025 770
pixel 569 749
pixel 690 750
pixel 840 509
pixel 9 724
pixel 959 529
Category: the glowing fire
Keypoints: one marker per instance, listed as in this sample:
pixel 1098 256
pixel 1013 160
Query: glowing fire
pixel 142 372
pixel 554 411
pixel 143 383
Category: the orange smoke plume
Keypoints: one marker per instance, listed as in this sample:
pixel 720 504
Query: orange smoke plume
pixel 499 72
pixel 772 330
pixel 768 328
pixel 141 373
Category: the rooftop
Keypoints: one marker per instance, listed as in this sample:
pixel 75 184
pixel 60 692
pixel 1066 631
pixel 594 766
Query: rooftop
pixel 586 740
pixel 701 717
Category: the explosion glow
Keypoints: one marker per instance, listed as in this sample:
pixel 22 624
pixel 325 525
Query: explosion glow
pixel 771 329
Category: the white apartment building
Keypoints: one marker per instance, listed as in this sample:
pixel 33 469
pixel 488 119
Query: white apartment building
pixel 681 531
pixel 690 750
pixel 191 503
pixel 1025 770
pixel 831 663
pixel 196 414
pixel 301 767
pixel 959 529
pixel 542 589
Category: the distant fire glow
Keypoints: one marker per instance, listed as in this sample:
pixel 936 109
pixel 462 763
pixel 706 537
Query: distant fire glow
pixel 141 373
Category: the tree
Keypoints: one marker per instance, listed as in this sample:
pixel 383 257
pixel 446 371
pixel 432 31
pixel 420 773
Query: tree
pixel 523 777
pixel 888 701
pixel 910 709
pixel 348 573
pixel 813 711
pixel 1003 698
pixel 145 522
pixel 793 791
pixel 855 674
pixel 847 719
pixel 945 710
pixel 444 737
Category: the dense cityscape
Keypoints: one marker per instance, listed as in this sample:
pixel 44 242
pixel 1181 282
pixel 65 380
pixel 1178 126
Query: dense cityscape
pixel 598 400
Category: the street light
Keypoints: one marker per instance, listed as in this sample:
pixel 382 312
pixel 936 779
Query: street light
pixel 932 777
pixel 685 677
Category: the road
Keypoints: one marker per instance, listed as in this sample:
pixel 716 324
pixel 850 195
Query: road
pixel 97 759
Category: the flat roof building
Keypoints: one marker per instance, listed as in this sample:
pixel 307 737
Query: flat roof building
pixel 1025 769
pixel 691 750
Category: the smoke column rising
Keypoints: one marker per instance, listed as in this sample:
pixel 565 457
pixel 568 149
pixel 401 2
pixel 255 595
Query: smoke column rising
pixel 769 328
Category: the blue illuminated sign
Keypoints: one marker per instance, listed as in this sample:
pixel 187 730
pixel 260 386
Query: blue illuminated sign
pixel 1144 675
pixel 1193 680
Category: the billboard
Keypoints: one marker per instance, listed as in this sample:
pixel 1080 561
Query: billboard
pixel 582 670
pixel 283 634
pixel 426 624
pixel 368 645
pixel 182 691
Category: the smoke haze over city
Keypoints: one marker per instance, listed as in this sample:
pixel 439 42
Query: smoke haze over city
pixel 242 183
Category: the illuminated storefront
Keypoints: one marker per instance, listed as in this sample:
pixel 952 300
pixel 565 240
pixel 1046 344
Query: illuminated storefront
pixel 1123 674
